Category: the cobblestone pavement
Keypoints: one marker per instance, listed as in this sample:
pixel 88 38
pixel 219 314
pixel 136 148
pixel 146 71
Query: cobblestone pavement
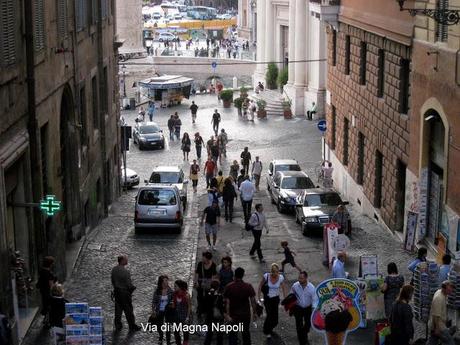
pixel 152 254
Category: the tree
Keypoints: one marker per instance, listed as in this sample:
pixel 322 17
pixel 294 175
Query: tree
pixel 283 77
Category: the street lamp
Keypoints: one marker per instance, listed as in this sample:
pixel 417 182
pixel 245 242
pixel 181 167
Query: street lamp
pixel 123 68
pixel 442 16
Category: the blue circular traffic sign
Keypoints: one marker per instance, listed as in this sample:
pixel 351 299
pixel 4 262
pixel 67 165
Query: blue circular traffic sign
pixel 322 125
pixel 214 64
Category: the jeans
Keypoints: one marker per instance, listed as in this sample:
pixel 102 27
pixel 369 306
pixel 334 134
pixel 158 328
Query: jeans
pixel 247 205
pixel 257 180
pixel 444 338
pixel 208 179
pixel 160 321
pixel 256 245
pixel 171 134
pixel 246 335
pixel 246 168
pixel 178 338
pixel 123 303
pixel 271 308
pixel 198 151
pixel 215 127
pixel 302 323
pixel 177 133
pixel 228 209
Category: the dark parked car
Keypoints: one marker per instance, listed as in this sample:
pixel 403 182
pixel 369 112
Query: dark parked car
pixel 148 135
pixel 287 185
pixel 315 207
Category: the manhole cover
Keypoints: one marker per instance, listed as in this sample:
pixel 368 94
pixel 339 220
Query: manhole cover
pixel 94 246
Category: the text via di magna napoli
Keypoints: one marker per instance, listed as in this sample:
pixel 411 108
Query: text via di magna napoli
pixel 181 327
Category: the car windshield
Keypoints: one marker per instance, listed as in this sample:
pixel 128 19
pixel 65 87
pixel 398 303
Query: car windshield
pixel 327 199
pixel 287 167
pixel 165 177
pixel 159 197
pixel 148 129
pixel 298 182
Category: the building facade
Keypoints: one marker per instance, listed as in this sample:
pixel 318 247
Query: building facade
pixel 291 33
pixel 59 136
pixel 247 20
pixel 219 4
pixel 368 107
pixel 433 184
pixel 130 26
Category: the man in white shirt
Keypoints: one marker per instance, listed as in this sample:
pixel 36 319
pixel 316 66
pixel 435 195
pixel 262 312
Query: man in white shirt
pixel 247 190
pixel 257 171
pixel 338 267
pixel 306 300
pixel 257 222
pixel 441 333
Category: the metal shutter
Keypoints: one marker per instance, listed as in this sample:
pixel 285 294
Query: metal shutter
pixel 7 32
pixel 442 29
pixel 39 25
pixel 62 23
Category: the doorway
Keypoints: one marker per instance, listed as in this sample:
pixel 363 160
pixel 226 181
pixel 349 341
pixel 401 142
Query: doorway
pixel 400 195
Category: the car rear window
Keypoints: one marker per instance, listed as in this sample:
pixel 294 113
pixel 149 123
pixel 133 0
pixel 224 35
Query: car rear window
pixel 287 167
pixel 297 182
pixel 157 197
pixel 165 177
pixel 148 129
pixel 328 199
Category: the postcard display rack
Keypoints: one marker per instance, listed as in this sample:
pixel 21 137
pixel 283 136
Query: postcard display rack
pixel 84 325
pixel 425 285
pixel 453 300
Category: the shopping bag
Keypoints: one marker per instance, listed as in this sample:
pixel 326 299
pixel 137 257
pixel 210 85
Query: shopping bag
pixel 382 332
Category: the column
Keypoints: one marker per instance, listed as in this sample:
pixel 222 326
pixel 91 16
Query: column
pixel 300 47
pixel 260 35
pixel 269 31
pixel 291 42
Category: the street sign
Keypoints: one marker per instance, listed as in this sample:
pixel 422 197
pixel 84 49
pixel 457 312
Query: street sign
pixel 214 65
pixel 322 125
pixel 50 205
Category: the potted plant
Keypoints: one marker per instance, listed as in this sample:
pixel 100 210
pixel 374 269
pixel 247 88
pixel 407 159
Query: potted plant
pixel 227 97
pixel 287 112
pixel 243 92
pixel 238 103
pixel 283 77
pixel 261 112
pixel 271 76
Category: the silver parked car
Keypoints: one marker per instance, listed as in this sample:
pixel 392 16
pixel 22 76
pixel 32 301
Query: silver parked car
pixel 148 135
pixel 158 206
pixel 132 178
pixel 287 185
pixel 171 175
pixel 280 165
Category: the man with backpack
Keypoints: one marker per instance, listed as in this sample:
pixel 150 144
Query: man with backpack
pixel 256 224
pixel 215 122
pixel 194 110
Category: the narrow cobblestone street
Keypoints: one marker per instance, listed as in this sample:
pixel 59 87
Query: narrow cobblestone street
pixel 152 254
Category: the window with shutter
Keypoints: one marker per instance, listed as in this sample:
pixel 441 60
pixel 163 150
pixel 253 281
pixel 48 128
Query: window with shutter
pixel 81 11
pixel 442 29
pixel 93 11
pixel 7 32
pixel 62 23
pixel 104 8
pixel 39 25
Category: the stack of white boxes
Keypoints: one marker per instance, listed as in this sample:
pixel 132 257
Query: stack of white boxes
pixel 84 325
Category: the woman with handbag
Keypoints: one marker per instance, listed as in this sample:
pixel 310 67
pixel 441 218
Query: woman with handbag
pixel 162 306
pixel 182 306
pixel 271 285
pixel 206 271
pixel 186 144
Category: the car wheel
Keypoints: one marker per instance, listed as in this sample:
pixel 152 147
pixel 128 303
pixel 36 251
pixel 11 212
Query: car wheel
pixel 279 207
pixel 140 147
pixel 305 231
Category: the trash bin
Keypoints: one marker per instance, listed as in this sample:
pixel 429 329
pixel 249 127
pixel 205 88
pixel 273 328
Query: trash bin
pixel 132 103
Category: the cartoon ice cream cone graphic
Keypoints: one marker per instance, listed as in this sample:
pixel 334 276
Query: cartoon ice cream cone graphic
pixel 335 338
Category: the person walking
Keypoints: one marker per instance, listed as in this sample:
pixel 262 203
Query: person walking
pixel 209 143
pixel 252 109
pixel 234 169
pixel 215 151
pixel 193 110
pixel 222 140
pixel 214 302
pixel 391 287
pixel 151 110
pixel 245 107
pixel 288 256
pixel 247 190
pixel 338 267
pixel 46 279
pixel 220 182
pixel 440 331
pixel 162 311
pixel 327 170
pixel 194 171
pixel 240 179
pixel 205 273
pixel 341 218
pixel 186 144
pixel 421 257
pixel 225 273
pixel 123 290
pixel 198 144
pixel 307 299
pixel 182 306
pixel 171 123
pixel 142 114
pixel 257 223
pixel 245 159
pixel 257 171
pixel 239 297
pixel 228 196
pixel 402 327
pixel 212 223
pixel 209 168
pixel 215 121
pixel 177 125
pixel 271 286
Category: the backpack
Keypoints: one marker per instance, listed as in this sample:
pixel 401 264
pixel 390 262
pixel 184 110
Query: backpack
pixel 250 227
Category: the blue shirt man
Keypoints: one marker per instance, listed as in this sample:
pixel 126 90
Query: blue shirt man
pixel 444 269
pixel 338 267
pixel 151 110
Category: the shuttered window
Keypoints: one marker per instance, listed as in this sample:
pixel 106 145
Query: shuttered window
pixel 442 29
pixel 62 23
pixel 104 8
pixel 39 25
pixel 93 11
pixel 81 14
pixel 7 32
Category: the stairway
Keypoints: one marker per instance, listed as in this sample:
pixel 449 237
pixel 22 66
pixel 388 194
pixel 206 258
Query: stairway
pixel 274 101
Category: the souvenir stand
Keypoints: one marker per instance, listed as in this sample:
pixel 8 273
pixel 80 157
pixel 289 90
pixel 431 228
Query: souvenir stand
pixel 83 325
pixel 168 90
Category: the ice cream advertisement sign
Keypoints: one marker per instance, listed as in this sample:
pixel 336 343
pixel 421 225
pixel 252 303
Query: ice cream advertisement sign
pixel 337 312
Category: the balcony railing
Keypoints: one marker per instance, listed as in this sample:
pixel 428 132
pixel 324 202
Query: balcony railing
pixel 326 2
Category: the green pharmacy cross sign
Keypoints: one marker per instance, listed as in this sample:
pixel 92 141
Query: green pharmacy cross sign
pixel 50 205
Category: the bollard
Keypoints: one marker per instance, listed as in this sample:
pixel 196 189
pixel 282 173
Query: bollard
pixel 235 83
